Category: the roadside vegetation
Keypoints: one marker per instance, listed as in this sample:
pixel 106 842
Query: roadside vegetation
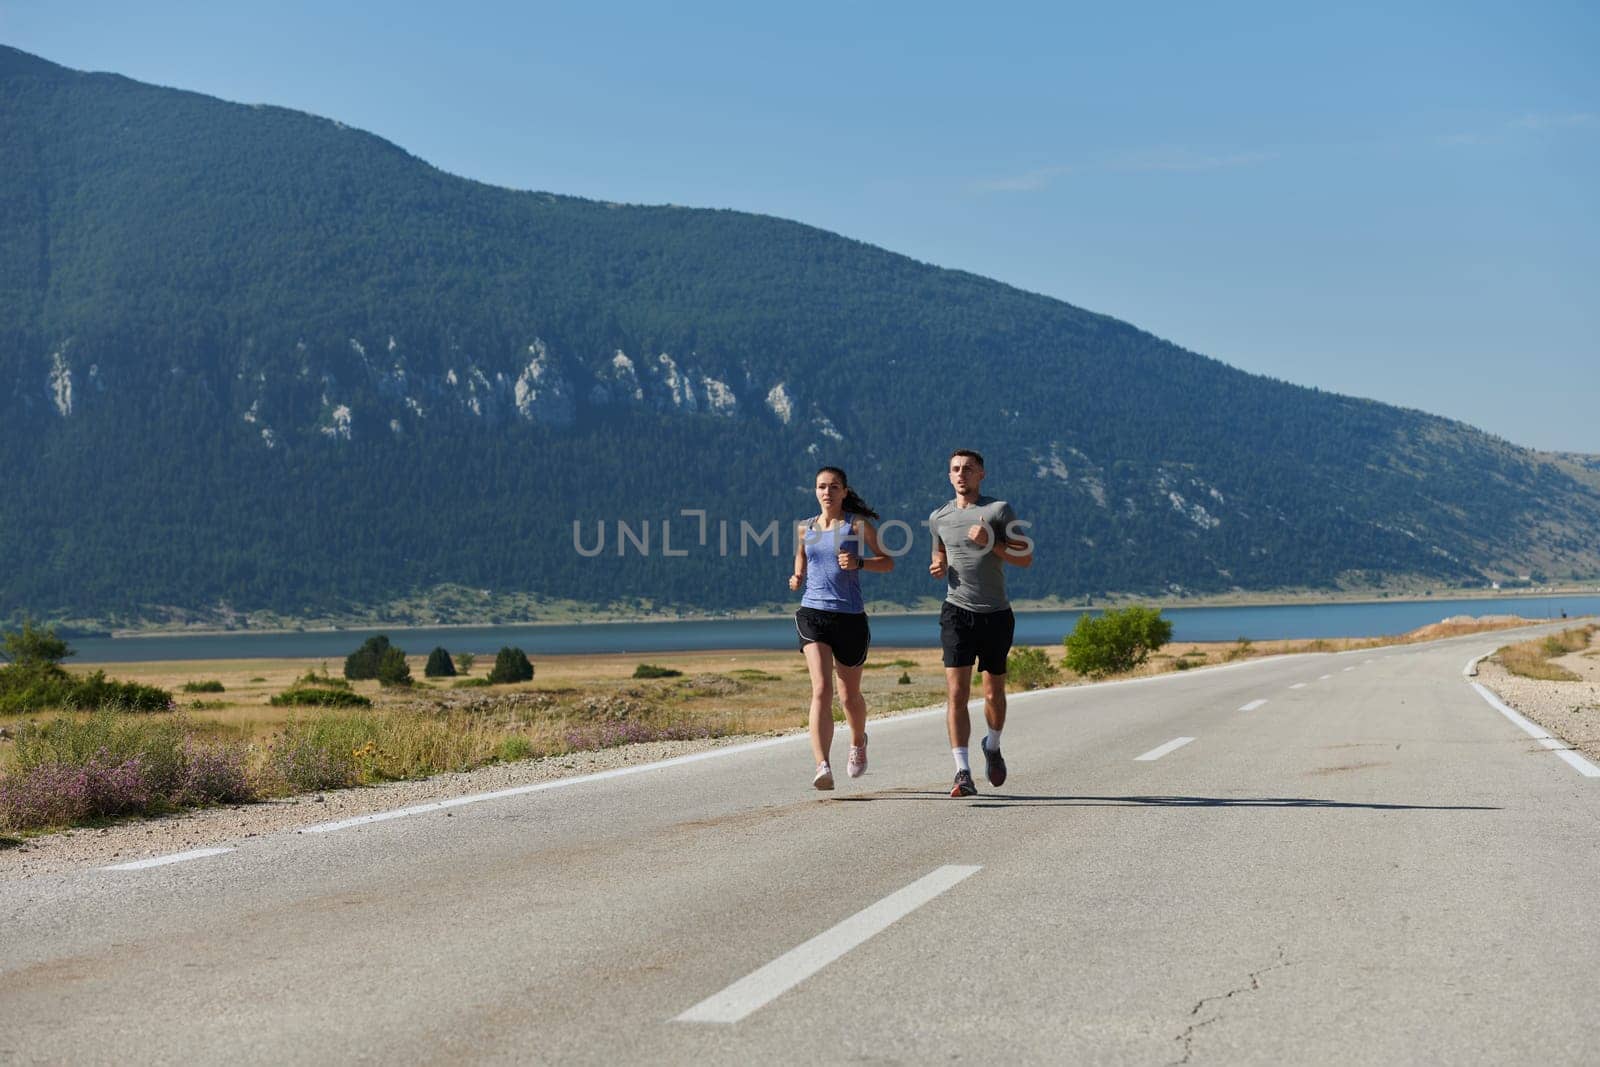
pixel 1533 659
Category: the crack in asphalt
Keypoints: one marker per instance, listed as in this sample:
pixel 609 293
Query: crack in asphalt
pixel 1254 983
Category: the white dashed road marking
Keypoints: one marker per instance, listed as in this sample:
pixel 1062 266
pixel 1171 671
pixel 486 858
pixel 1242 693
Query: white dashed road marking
pixel 763 986
pixel 1171 746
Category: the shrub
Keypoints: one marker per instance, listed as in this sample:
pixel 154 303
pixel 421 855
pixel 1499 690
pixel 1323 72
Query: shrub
pixel 96 691
pixel 1240 650
pixel 465 660
pixel 472 683
pixel 314 689
pixel 439 665
pixel 210 686
pixel 363 662
pixel 650 670
pixel 393 670
pixel 321 680
pixel 905 678
pixel 1030 668
pixel 299 695
pixel 511 665
pixel 27 687
pixel 1115 642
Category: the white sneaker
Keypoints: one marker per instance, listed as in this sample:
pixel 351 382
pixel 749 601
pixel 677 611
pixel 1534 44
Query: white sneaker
pixel 857 765
pixel 824 778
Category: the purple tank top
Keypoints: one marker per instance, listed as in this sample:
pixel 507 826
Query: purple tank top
pixel 827 587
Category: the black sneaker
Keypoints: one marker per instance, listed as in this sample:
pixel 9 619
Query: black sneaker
pixel 996 764
pixel 964 786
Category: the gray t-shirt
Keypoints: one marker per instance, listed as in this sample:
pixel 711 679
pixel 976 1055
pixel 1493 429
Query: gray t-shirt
pixel 976 576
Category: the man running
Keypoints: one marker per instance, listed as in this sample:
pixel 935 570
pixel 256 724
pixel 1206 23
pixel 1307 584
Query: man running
pixel 974 536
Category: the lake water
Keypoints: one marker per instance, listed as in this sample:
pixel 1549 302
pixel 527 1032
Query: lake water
pixel 888 631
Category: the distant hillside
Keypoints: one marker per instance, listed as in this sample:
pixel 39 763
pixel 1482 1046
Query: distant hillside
pixel 253 356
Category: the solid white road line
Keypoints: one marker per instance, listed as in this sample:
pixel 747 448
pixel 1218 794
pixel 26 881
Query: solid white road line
pixel 1171 746
pixel 162 861
pixel 1298 685
pixel 763 986
pixel 559 783
pixel 1579 764
pixel 1253 705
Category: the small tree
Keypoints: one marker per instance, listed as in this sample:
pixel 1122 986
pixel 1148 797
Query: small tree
pixel 393 668
pixel 29 647
pixel 363 662
pixel 1115 642
pixel 465 660
pixel 439 665
pixel 511 665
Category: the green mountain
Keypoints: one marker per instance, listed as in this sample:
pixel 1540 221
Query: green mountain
pixel 255 357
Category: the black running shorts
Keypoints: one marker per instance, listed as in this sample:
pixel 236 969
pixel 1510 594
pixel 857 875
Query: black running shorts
pixel 981 636
pixel 845 632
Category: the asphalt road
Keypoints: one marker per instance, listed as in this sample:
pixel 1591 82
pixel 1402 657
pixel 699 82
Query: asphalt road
pixel 1373 866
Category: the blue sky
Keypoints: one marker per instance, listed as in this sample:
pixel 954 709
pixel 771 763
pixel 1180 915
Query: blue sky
pixel 1393 201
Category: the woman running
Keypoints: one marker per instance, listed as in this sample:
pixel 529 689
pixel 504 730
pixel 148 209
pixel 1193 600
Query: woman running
pixel 832 620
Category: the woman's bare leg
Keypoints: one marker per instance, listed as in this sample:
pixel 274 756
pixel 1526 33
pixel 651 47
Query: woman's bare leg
pixel 819 659
pixel 855 705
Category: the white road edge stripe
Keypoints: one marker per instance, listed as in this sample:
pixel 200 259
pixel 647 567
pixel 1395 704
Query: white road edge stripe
pixel 765 985
pixel 162 861
pixel 538 787
pixel 1171 746
pixel 1579 764
pixel 1253 705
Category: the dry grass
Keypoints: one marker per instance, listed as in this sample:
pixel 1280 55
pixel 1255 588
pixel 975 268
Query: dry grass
pixel 1533 659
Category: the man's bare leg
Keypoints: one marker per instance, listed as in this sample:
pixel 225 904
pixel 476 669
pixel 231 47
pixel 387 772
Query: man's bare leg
pixel 994 701
pixel 958 687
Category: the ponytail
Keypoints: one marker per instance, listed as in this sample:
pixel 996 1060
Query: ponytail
pixel 854 505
